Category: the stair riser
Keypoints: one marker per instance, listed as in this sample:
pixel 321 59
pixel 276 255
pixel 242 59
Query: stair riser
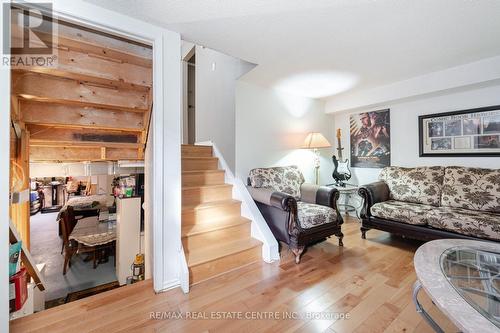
pixel 200 179
pixel 192 243
pixel 199 164
pixel 203 195
pixel 194 216
pixel 218 266
pixel 196 151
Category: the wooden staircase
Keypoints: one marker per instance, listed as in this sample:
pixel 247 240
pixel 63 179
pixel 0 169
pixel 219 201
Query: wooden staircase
pixel 215 237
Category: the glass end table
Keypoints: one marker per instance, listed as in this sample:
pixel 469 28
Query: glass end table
pixel 349 200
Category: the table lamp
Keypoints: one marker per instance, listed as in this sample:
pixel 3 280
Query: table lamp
pixel 316 141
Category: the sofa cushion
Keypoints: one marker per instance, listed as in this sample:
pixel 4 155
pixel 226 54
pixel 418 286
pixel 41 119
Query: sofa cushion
pixel 400 211
pixel 479 224
pixel 281 179
pixel 417 185
pixel 311 215
pixel 472 188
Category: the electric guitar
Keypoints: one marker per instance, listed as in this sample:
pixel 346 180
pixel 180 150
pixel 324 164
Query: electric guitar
pixel 341 172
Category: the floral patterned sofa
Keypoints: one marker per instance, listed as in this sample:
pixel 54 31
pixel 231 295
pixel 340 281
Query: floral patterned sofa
pixel 297 213
pixel 434 202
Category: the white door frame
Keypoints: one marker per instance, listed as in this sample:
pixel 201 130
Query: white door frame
pixel 166 119
pixel 4 186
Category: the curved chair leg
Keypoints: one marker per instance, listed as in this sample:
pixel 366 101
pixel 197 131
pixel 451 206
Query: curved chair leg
pixel 298 252
pixel 67 261
pixel 95 258
pixel 363 232
pixel 340 235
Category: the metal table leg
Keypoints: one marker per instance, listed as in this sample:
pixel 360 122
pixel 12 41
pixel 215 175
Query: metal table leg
pixel 416 288
pixel 345 207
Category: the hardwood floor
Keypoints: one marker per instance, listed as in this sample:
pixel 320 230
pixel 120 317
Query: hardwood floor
pixel 369 280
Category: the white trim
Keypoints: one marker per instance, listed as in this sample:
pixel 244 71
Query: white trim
pixel 4 187
pixel 171 284
pixel 157 123
pixel 184 272
pixel 259 229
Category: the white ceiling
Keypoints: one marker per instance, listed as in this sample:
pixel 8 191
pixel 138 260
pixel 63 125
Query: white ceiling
pixel 323 47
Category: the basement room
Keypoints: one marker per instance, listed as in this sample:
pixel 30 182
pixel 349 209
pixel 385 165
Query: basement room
pixel 78 149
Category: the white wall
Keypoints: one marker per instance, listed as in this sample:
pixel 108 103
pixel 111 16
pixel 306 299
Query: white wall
pixel 272 125
pixel 215 105
pixel 4 188
pixel 404 129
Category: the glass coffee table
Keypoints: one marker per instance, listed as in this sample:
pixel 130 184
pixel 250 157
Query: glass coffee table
pixel 462 277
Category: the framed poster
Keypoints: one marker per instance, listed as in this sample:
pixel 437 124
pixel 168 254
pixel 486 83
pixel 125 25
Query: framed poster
pixel 370 139
pixel 472 132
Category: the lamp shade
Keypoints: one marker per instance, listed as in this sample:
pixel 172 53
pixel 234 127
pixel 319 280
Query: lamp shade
pixel 315 140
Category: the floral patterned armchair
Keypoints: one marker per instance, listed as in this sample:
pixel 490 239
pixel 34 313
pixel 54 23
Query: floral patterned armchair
pixel 297 213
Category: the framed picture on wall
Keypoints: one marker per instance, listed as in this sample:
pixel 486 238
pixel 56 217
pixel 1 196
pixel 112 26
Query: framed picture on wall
pixel 472 132
pixel 370 139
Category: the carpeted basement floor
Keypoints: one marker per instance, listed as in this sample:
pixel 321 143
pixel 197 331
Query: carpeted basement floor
pixel 46 248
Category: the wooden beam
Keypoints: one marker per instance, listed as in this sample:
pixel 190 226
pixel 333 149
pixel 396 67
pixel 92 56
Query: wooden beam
pixel 85 41
pixel 113 154
pixel 104 67
pixel 83 144
pixel 73 116
pixel 82 41
pixel 39 87
pixel 54 133
pixel 15 113
pixel 147 119
pixel 19 178
pixel 84 78
pixel 79 154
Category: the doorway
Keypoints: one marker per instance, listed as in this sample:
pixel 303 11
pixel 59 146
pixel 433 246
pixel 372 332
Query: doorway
pixel 191 79
pixel 189 97
pixel 79 133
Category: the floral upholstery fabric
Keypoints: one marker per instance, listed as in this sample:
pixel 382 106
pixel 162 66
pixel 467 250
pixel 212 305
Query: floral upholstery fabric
pixel 399 211
pixel 311 215
pixel 281 179
pixel 472 188
pixel 417 185
pixel 466 222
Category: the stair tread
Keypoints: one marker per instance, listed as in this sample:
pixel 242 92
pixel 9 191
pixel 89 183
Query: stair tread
pixel 205 186
pixel 188 145
pixel 199 228
pixel 194 172
pixel 220 250
pixel 209 204
pixel 199 158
